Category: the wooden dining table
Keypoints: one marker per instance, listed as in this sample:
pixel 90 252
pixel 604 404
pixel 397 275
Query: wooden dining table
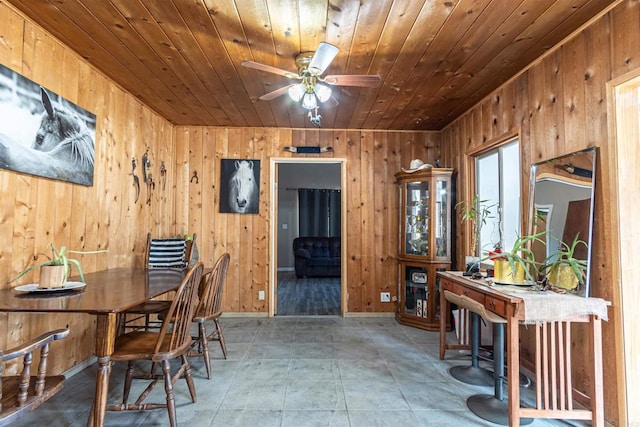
pixel 106 294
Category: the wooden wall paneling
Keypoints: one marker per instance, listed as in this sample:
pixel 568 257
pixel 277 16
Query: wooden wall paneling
pixel 135 244
pixel 14 222
pixel 221 243
pixel 207 212
pixel 114 190
pixel 354 249
pixel 393 165
pixel 196 185
pixel 574 70
pixel 383 214
pixel 625 38
pixel 486 120
pixel 596 134
pixel 107 182
pixel 537 124
pixel 107 96
pixel 12 185
pixel 182 177
pixel 370 298
pixel 234 276
pixel 11 38
pixel 338 143
pixel 164 151
pixel 261 227
pixel 20 220
pixel 245 231
pixel 553 72
pixel 101 98
pixel 81 193
pixel 42 61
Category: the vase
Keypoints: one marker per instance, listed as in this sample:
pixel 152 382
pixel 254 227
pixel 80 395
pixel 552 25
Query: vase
pixel 562 276
pixel 503 273
pixel 52 276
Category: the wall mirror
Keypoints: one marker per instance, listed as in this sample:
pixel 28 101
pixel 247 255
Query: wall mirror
pixel 562 192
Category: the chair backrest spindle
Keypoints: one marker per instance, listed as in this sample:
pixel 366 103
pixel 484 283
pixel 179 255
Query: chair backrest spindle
pixel 211 300
pixel 180 313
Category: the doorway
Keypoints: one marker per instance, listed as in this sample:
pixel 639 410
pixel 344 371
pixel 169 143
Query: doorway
pixel 624 113
pixel 305 295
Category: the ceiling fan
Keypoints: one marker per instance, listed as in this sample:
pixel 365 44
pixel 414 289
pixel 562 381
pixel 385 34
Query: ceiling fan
pixel 313 88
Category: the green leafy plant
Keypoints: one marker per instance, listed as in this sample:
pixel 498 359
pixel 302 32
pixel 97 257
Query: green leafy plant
pixel 477 212
pixel 521 255
pixel 565 256
pixel 60 257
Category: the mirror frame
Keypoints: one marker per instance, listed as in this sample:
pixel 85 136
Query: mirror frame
pixel 568 163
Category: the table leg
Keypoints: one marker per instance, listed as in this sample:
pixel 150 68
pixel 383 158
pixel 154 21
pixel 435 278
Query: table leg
pixel 597 400
pixel 105 339
pixel 513 375
pixel 444 315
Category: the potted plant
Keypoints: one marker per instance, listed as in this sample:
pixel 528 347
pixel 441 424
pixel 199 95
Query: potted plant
pixel 477 212
pixel 518 263
pixel 55 270
pixel 562 269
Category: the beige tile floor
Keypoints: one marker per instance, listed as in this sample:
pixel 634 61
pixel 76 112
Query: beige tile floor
pixel 297 372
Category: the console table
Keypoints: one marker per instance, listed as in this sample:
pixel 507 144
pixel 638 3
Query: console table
pixel 552 315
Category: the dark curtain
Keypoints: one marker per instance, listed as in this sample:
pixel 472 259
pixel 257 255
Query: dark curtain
pixel 318 212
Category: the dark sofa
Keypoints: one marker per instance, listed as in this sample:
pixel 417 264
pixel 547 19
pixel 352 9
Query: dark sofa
pixel 317 256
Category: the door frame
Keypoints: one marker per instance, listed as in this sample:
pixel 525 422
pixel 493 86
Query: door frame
pixel 622 167
pixel 273 220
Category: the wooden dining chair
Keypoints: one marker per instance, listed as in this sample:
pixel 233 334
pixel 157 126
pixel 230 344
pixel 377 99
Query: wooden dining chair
pixel 25 392
pixel 210 308
pixel 172 341
pixel 171 253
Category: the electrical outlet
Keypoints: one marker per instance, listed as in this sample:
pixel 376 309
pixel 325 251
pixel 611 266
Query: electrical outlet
pixel 385 297
pixel 261 295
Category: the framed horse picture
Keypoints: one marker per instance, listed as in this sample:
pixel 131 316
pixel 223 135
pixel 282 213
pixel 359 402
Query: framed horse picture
pixel 239 186
pixel 42 133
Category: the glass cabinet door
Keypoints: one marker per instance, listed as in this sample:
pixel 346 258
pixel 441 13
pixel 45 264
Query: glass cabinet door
pixel 416 291
pixel 441 227
pixel 416 218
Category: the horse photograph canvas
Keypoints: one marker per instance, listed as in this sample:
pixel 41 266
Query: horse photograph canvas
pixel 42 133
pixel 239 186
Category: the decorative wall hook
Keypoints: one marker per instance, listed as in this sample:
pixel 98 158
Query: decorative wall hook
pixel 195 176
pixel 307 150
pixel 163 174
pixel 148 178
pixel 136 180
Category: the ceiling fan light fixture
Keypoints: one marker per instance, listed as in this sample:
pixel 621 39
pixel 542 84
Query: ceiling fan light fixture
pixel 322 92
pixel 296 92
pixel 309 101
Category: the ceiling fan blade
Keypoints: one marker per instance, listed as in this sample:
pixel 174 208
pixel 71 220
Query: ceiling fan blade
pixel 353 80
pixel 270 69
pixel 276 93
pixel 322 58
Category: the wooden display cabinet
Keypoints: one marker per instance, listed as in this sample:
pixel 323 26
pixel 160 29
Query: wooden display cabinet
pixel 425 244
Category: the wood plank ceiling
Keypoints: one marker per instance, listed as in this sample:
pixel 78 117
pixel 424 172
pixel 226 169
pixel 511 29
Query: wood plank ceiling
pixel 436 58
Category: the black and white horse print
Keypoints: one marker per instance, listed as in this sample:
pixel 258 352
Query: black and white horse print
pixel 63 147
pixel 241 184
